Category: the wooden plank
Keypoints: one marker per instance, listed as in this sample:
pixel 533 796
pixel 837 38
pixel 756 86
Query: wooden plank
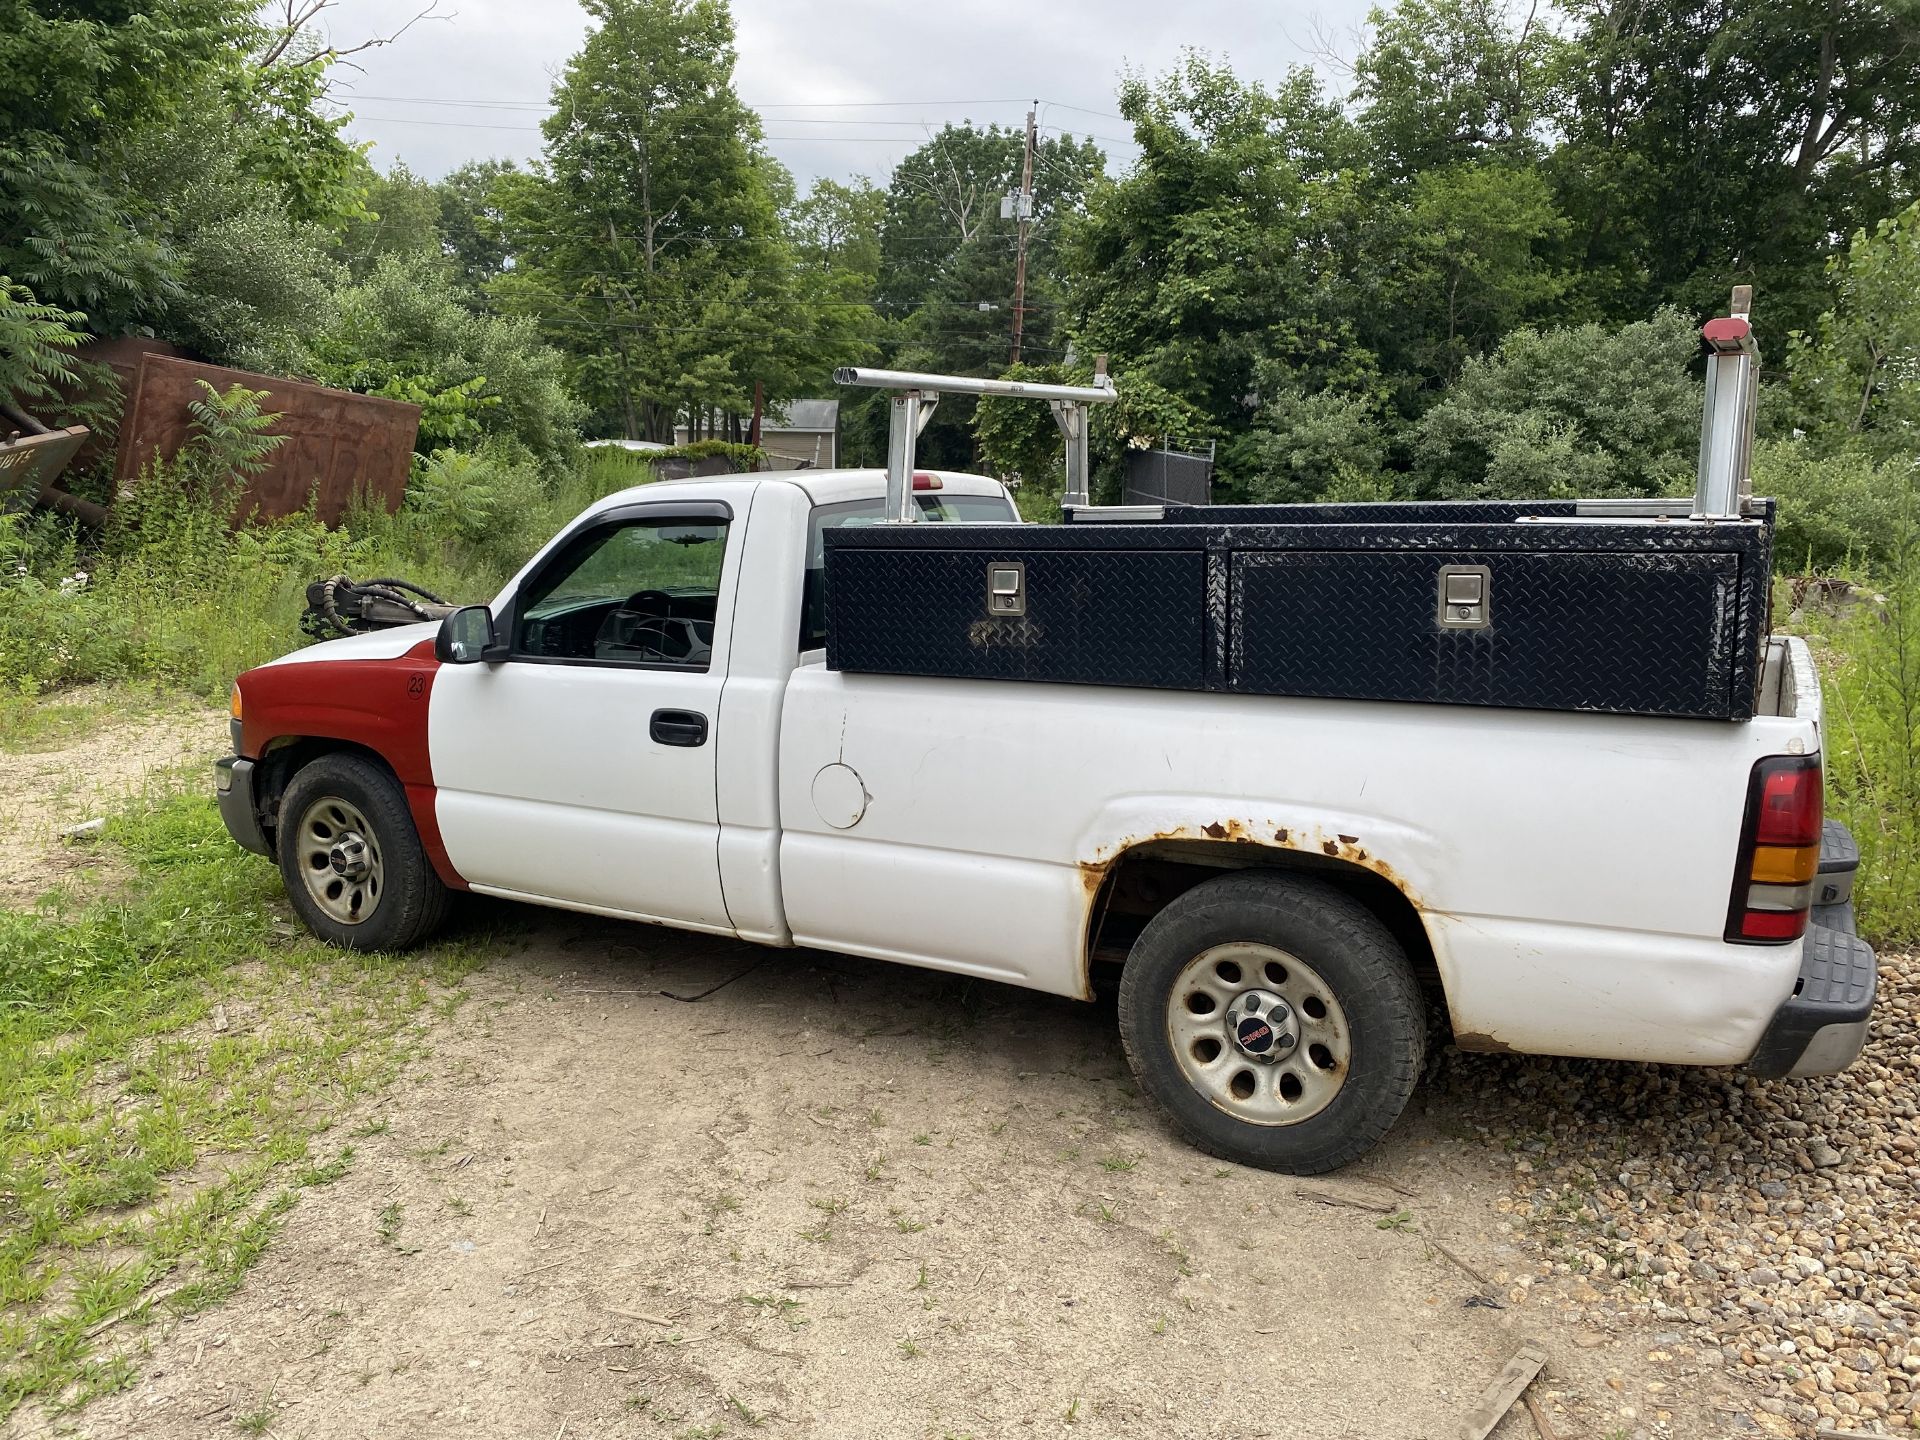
pixel 1527 1362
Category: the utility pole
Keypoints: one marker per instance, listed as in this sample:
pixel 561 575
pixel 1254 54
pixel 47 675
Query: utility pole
pixel 1023 210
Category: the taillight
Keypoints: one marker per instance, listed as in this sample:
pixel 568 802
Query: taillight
pixel 1779 852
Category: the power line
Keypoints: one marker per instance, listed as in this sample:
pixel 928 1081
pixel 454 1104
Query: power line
pixel 1079 109
pixel 675 131
pixel 1090 135
pixel 585 235
pixel 751 105
pixel 548 107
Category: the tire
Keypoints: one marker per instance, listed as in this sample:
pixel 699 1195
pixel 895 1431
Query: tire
pixel 1300 942
pixel 381 894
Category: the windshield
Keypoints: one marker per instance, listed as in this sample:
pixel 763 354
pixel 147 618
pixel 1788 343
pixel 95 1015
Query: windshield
pixel 955 509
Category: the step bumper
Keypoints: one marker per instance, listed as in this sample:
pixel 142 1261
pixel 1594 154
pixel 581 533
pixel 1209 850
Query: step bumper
pixel 1821 1028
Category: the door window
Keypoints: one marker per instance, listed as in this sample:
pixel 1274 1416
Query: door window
pixel 637 592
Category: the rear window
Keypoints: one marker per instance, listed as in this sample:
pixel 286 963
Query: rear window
pixel 939 508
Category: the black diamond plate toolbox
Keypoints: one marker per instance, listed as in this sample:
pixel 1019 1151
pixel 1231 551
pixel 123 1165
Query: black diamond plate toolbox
pixel 1624 616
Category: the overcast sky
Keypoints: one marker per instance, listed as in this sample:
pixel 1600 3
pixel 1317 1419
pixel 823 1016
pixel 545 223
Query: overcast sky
pixel 846 87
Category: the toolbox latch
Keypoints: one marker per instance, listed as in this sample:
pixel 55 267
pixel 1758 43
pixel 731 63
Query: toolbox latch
pixel 1007 587
pixel 1465 597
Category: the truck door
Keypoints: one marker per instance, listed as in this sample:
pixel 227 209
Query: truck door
pixel 580 768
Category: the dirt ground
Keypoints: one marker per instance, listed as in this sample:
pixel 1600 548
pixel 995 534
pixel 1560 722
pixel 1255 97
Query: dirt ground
pixel 88 770
pixel 839 1198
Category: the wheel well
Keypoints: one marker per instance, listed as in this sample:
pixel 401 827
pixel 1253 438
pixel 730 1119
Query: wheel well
pixel 286 757
pixel 1142 881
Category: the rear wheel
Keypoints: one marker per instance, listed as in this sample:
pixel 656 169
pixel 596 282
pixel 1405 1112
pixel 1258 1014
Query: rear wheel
pixel 352 860
pixel 1275 1020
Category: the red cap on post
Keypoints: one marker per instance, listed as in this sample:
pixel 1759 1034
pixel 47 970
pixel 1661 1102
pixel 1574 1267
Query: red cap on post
pixel 1728 335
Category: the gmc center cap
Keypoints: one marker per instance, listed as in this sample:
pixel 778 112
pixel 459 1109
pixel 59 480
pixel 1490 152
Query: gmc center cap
pixel 1262 1025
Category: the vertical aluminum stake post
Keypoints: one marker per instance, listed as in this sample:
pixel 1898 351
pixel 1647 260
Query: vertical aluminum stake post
pixel 911 412
pixel 1071 417
pixel 1725 484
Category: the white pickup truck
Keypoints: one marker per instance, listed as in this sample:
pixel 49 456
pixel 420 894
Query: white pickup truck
pixel 642 725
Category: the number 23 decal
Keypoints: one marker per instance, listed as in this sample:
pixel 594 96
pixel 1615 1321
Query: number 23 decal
pixel 417 685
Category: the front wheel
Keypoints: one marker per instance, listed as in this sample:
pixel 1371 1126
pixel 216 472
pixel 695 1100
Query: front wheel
pixel 352 860
pixel 1275 1020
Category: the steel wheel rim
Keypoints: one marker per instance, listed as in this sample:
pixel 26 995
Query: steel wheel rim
pixel 340 860
pixel 1297 1085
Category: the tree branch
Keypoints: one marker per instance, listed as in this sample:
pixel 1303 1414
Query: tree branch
pixel 301 13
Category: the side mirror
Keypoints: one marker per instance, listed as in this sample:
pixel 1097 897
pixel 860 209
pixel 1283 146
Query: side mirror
pixel 465 636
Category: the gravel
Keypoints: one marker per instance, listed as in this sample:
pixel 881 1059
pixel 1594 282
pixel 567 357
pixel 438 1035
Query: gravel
pixel 1777 1224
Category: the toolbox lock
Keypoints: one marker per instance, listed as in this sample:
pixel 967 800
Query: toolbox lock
pixel 1464 595
pixel 1007 587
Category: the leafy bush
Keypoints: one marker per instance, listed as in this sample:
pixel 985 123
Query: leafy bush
pixel 1304 445
pixel 1580 411
pixel 33 338
pixel 405 332
pixel 488 506
pixel 1836 510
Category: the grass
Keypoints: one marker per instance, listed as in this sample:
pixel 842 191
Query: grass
pixel 1871 684
pixel 146 1159
pixel 28 723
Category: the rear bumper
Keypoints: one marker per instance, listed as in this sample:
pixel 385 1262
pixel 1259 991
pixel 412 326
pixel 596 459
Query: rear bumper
pixel 233 788
pixel 1822 1027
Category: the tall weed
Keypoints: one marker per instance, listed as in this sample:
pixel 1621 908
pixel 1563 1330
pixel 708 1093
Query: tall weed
pixel 1872 732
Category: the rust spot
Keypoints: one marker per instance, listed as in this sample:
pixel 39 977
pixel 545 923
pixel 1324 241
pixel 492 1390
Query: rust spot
pixel 1349 839
pixel 1482 1044
pixel 1093 874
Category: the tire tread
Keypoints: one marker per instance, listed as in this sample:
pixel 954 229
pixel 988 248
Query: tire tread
pixel 414 903
pixel 1346 926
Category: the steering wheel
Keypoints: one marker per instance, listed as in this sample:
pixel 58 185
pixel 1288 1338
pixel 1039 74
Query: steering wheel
pixel 647 602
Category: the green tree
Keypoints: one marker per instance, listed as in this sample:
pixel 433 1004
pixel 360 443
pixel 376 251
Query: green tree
pixel 1442 83
pixel 1229 253
pixel 1856 377
pixel 651 243
pixel 473 221
pixel 837 227
pixel 252 281
pixel 1712 142
pixel 162 167
pixel 1471 265
pixel 401 216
